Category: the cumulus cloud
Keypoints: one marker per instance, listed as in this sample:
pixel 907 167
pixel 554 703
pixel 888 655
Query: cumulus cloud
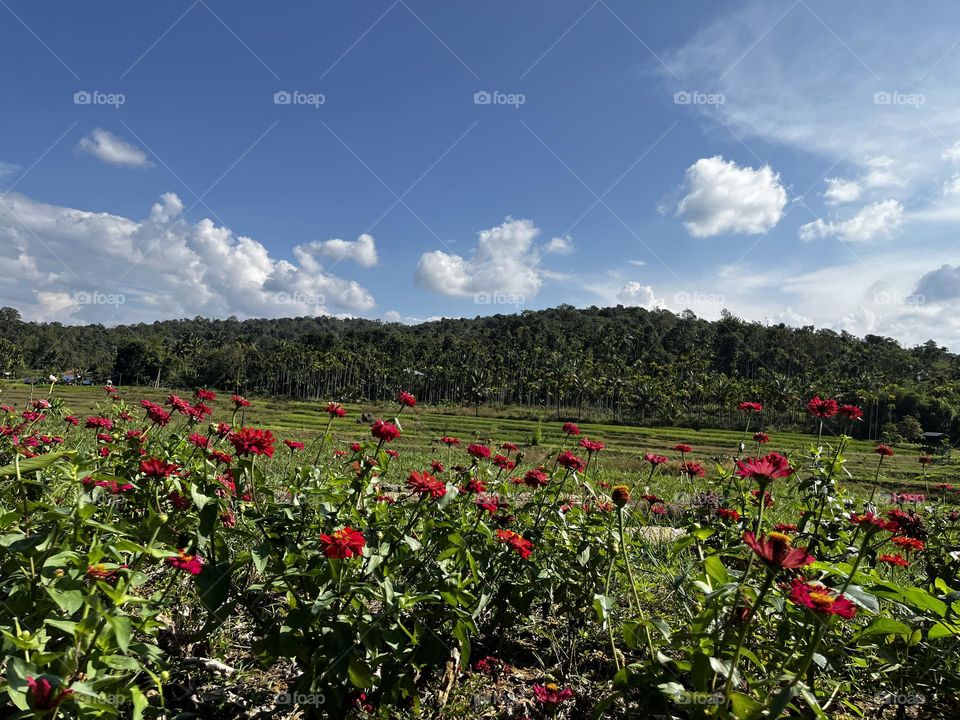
pixel 109 148
pixel 362 251
pixel 723 197
pixel 559 246
pixel 505 260
pixel 72 265
pixel 841 191
pixel 879 220
pixel 940 284
pixel 635 294
pixel 879 173
pixel 952 153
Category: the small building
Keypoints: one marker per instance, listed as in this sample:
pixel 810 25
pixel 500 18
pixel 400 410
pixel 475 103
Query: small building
pixel 935 442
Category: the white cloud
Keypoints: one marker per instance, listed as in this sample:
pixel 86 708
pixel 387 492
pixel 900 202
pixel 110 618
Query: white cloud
pixel 362 251
pixel 723 197
pixel 635 294
pixel 952 153
pixel 107 147
pixel 879 220
pixel 8 170
pixel 505 260
pixel 880 174
pixel 73 265
pixel 940 284
pixel 841 191
pixel 559 246
pixel 638 263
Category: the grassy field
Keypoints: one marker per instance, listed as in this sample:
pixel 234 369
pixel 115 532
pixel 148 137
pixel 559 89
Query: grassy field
pixel 305 420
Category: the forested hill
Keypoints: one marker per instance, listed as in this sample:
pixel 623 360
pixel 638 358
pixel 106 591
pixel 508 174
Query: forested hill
pixel 617 363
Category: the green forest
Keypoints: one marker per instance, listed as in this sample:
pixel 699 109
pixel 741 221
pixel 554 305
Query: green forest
pixel 616 364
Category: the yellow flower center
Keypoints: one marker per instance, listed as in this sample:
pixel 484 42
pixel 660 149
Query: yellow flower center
pixel 552 687
pixel 780 537
pixel 821 599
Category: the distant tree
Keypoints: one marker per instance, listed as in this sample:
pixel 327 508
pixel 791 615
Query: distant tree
pixel 910 428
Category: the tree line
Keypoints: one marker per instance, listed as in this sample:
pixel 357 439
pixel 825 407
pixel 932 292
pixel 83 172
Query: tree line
pixel 616 364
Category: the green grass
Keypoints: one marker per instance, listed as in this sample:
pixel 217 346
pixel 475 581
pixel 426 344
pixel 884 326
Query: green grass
pixel 306 420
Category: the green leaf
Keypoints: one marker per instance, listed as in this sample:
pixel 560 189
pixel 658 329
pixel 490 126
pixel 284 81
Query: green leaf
pixel 360 673
pixel 862 598
pixel 942 629
pixel 67 600
pixel 33 464
pixel 886 626
pixel 602 606
pixel 461 632
pixel 715 570
pixel 121 630
pixel 743 706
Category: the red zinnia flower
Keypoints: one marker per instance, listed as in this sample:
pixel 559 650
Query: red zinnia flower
pixel 155 467
pixel 450 440
pixel 873 521
pixel 655 459
pixel 535 478
pixel 100 572
pixel 822 409
pixel 923 459
pixel 335 409
pixel 343 543
pixel 406 399
pixel 897 560
pixel 509 447
pixel 100 422
pixel 205 395
pixel 765 469
pixel 727 514
pixel 478 451
pixel 570 461
pixel 425 484
pixel 692 469
pixel 884 450
pixel 201 441
pixel 850 412
pixel 620 495
pixel 652 499
pixel 474 486
pixel 385 431
pixel 239 401
pixel 490 503
pixel 753 407
pixel 591 446
pixel 571 428
pixel 820 599
pixel 192 564
pixel 517 542
pixel 908 543
pixel 776 551
pixel 682 448
pixel 785 527
pixel 252 441
pixel 43 696
pixel 294 445
pixel 504 463
pixel 72 420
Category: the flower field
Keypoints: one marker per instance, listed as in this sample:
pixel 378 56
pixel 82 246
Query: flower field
pixel 206 555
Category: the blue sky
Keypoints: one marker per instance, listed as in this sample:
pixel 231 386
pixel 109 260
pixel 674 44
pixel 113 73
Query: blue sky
pixel 793 162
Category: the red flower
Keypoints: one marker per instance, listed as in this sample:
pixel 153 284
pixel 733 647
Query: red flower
pixel 909 543
pixel 591 446
pixel 450 440
pixel 72 420
pixel 923 459
pixel 478 451
pixel 656 459
pixel 682 448
pixel 100 572
pixel 201 441
pixel 727 514
pixel 252 441
pixel 517 542
pixel 474 486
pixel 178 501
pixel 535 478
pixel 551 695
pixel 883 450
pixel 178 404
pixel 820 599
pixel 692 469
pixel 652 499
pixel 228 519
pixel 335 409
pixel 897 560
pixel 157 468
pixel 192 564
pixel 767 498
pixel 343 543
pixel 822 409
pixel 571 428
pixel 406 399
pixel 509 447
pixel 785 527
pixel 199 411
pixel 761 438
pixel 294 445
pixel 385 431
pixel 504 463
pixel 205 395
pixel 620 495
pixel 425 484
pixel 850 412
pixel 490 503
pixel 873 521
pixel 239 401
pixel 221 457
pixel 100 422
pixel 42 694
pixel 776 551
pixel 752 407
pixel 570 461
pixel 765 469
